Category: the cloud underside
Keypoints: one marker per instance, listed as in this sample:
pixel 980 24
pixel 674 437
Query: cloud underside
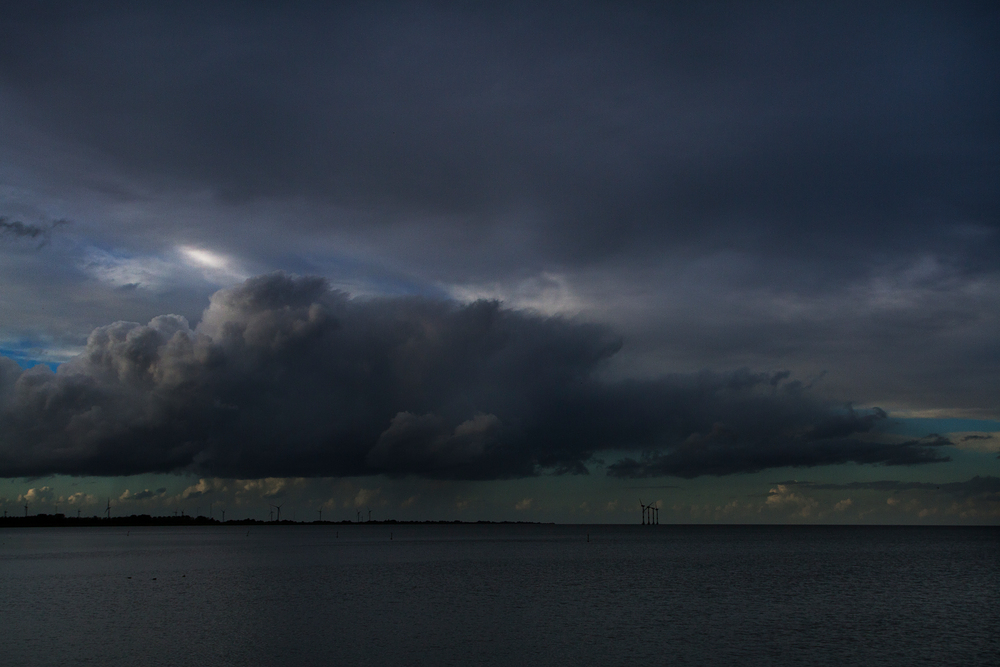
pixel 977 486
pixel 284 377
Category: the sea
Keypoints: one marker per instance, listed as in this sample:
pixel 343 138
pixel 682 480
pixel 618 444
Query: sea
pixel 500 594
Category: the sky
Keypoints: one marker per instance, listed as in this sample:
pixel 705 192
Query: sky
pixel 518 261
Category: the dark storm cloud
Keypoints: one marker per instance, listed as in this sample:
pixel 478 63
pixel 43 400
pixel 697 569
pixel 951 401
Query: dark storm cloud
pixel 23 230
pixel 776 185
pixel 283 377
pixel 613 128
pixel 19 229
pixel 723 452
pixel 975 487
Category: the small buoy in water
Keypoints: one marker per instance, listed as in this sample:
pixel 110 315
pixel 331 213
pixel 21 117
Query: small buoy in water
pixel 154 578
pixel 390 536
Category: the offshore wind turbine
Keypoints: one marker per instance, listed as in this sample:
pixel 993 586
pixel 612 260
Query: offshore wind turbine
pixel 107 510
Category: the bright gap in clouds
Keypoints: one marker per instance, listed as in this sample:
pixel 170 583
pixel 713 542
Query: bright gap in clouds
pixel 204 257
pixel 215 267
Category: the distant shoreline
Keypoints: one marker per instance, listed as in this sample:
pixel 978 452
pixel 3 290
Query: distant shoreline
pixel 138 520
pixel 62 521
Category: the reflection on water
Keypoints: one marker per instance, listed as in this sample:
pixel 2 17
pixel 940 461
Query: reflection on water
pixel 500 595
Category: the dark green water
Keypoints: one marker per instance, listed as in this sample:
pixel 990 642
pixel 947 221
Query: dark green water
pixel 500 595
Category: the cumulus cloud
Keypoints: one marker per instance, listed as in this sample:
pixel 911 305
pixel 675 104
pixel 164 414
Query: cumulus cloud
pixel 204 487
pixel 975 498
pixel 843 505
pixel 285 377
pixel 366 496
pixel 268 487
pixel 782 497
pixel 81 498
pixel 145 494
pixel 42 494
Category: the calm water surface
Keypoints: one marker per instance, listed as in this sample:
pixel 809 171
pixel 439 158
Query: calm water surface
pixel 500 595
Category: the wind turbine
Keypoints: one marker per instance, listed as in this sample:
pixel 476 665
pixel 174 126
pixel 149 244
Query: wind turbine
pixel 25 510
pixel 320 510
pixel 369 514
pixel 108 509
pixel 278 507
pixel 359 516
pixel 644 508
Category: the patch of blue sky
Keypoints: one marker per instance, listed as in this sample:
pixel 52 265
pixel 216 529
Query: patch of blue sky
pixel 28 355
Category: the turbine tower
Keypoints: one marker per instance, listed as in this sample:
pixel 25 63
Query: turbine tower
pixel 107 510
